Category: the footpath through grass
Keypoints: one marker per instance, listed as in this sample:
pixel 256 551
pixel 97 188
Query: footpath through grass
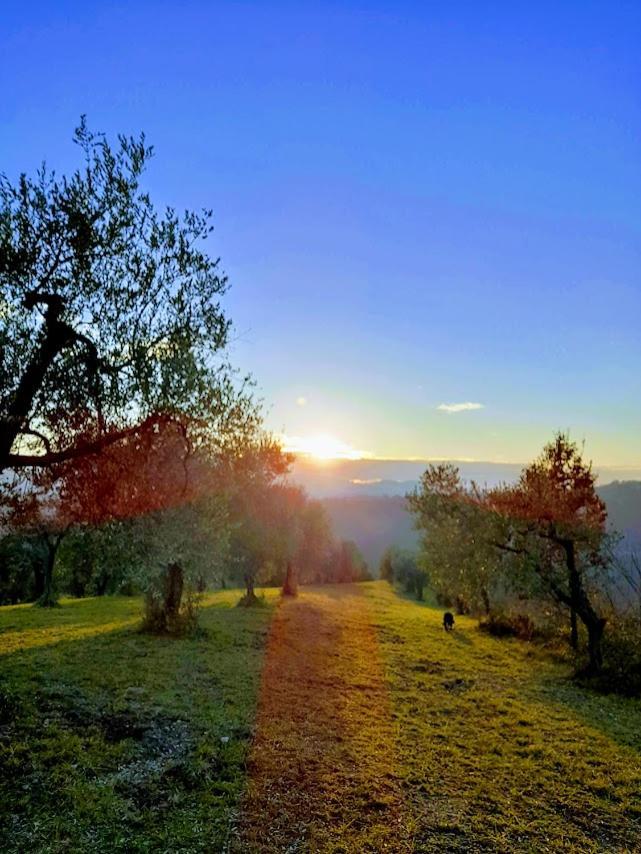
pixel 113 741
pixel 323 765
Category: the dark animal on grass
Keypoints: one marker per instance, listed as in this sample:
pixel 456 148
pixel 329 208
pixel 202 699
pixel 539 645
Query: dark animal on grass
pixel 448 621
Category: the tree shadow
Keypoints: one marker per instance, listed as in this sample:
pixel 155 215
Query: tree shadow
pixel 459 636
pixel 614 716
pixel 129 712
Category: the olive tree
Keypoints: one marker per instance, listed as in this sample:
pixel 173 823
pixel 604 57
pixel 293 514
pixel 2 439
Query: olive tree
pixel 110 312
pixel 457 538
pixel 556 526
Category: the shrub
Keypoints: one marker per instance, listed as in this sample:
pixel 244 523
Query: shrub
pixel 621 671
pixel 502 625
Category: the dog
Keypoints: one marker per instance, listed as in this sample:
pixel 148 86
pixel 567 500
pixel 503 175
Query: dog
pixel 448 621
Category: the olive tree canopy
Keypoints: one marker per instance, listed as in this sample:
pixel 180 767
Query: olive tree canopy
pixel 110 311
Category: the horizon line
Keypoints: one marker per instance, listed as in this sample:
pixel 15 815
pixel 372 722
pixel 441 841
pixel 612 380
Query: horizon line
pixel 320 462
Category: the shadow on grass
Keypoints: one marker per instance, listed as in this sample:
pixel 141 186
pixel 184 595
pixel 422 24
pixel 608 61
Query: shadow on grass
pixel 616 717
pixel 25 629
pixel 460 637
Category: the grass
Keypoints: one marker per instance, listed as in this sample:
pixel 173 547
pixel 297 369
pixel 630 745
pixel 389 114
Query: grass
pixel 322 764
pixel 375 731
pixel 497 749
pixel 111 740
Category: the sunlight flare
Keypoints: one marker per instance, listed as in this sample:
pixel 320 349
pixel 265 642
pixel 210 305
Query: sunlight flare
pixel 322 446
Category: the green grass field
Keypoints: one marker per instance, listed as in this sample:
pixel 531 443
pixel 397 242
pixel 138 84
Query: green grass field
pixel 115 741
pixel 498 749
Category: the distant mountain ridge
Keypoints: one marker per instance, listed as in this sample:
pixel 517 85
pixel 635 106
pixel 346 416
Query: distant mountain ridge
pixel 623 500
pixel 345 478
pixel 375 522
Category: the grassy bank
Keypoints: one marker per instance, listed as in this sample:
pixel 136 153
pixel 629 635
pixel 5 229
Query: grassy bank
pixel 115 741
pixel 497 749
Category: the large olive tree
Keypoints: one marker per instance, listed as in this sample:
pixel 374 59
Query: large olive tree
pixel 109 311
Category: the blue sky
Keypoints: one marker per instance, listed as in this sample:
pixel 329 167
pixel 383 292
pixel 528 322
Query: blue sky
pixel 416 203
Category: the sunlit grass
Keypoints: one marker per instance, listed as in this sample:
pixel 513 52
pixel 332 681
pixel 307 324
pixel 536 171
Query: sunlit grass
pixel 497 747
pixel 23 627
pixel 322 766
pixel 111 740
pixel 379 732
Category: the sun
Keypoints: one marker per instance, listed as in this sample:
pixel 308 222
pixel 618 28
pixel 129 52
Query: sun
pixel 322 446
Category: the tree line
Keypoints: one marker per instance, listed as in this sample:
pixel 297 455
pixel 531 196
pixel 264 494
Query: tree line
pixel 543 541
pixel 132 456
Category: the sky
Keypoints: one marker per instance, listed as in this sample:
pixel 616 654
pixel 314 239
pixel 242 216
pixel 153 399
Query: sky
pixel 429 213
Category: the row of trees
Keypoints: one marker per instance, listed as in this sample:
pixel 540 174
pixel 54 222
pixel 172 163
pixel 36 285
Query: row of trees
pixel 400 566
pixel 117 521
pixel 131 453
pixel 164 510
pixel 159 513
pixel 544 537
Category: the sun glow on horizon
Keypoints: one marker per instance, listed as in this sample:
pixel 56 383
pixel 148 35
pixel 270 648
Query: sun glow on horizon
pixel 322 447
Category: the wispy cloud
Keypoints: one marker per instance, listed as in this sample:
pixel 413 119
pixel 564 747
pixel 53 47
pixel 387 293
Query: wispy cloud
pixel 459 407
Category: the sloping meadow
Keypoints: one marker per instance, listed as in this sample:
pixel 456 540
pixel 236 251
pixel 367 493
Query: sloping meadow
pixel 111 740
pixel 348 721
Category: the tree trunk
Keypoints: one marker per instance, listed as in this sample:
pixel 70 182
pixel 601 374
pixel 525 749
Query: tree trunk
pixel 595 628
pixel 102 583
pixel 250 596
pixel 574 629
pixel 38 579
pixel 174 583
pixel 48 598
pixel 580 604
pixel 486 601
pixel 55 337
pixel 290 585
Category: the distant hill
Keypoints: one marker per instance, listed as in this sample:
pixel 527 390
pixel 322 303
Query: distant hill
pixel 396 477
pixel 623 499
pixel 376 522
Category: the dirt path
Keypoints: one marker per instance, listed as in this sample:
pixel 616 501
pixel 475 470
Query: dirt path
pixel 322 767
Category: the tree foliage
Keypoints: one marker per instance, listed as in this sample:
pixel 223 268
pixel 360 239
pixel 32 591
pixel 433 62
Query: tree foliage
pixel 110 312
pixel 400 566
pixel 544 535
pixel 456 538
pixel 557 527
